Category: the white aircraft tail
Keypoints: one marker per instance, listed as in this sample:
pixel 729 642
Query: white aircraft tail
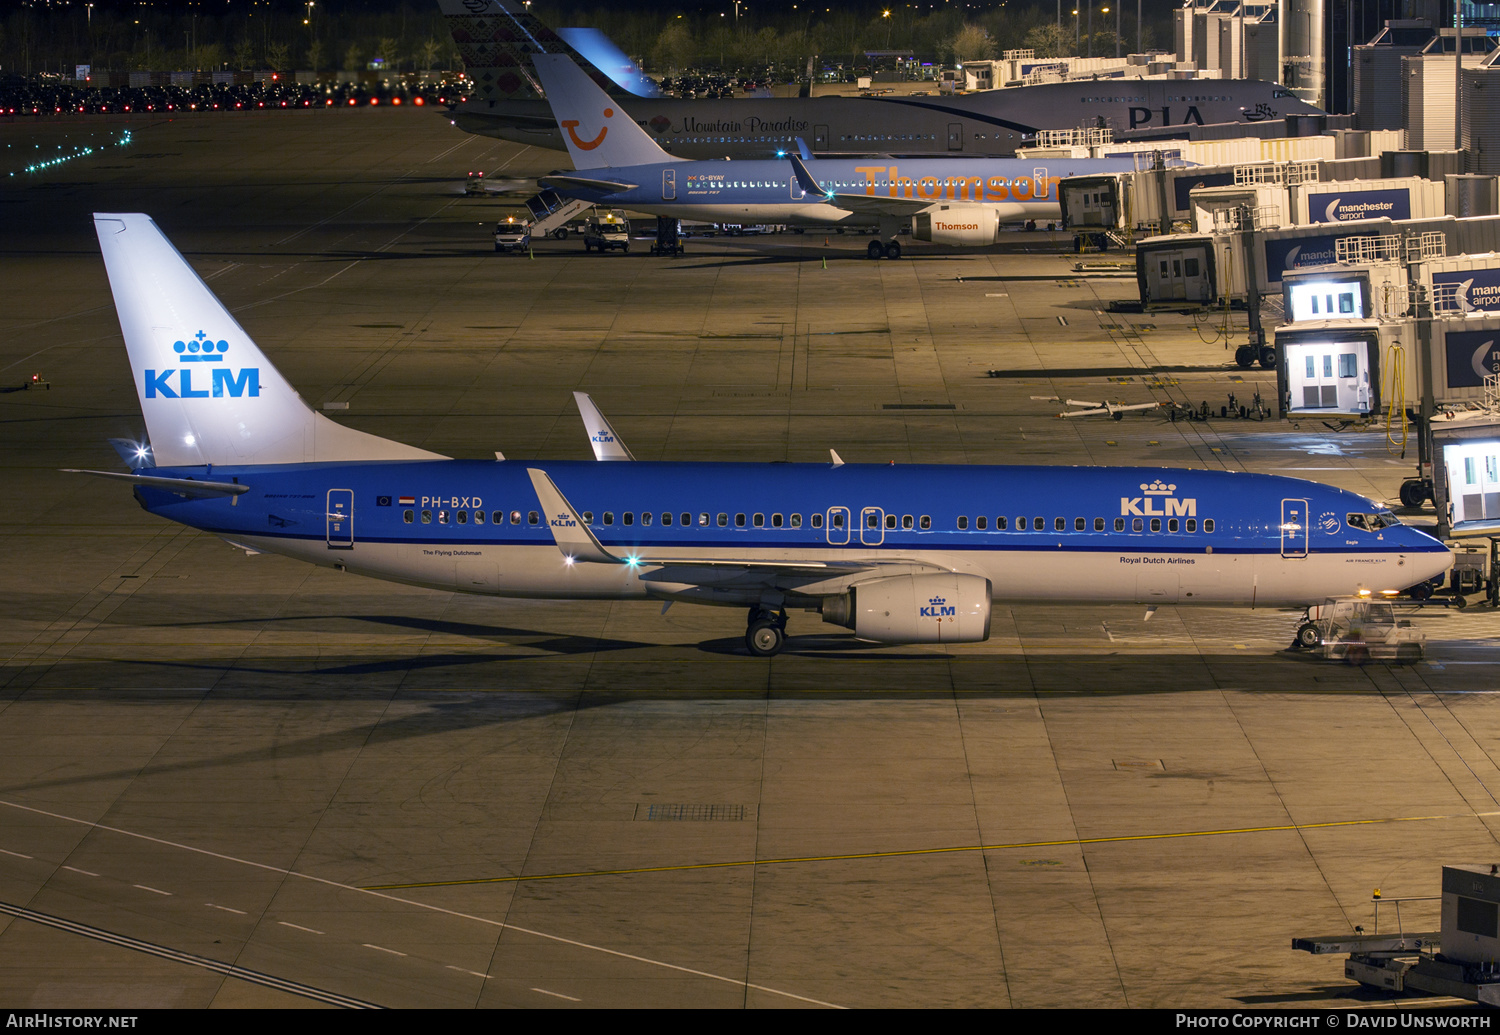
pixel 598 132
pixel 208 393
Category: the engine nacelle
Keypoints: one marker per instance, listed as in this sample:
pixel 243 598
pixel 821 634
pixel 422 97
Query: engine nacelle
pixel 939 608
pixel 963 224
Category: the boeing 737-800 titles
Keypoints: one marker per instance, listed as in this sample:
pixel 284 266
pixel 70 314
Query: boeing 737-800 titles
pixel 914 553
pixel 497 38
pixel 957 201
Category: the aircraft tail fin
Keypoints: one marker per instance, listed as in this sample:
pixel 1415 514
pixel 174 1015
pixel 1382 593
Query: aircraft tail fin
pixel 208 393
pixel 597 131
pixel 496 39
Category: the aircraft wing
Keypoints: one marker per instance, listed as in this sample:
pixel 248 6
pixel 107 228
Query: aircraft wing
pixel 562 181
pixel 577 543
pixel 862 204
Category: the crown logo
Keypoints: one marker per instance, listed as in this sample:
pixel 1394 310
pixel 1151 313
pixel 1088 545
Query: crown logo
pixel 938 601
pixel 200 348
pixel 1158 488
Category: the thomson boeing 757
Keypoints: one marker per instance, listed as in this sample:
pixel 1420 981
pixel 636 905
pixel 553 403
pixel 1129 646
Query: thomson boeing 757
pixel 955 201
pixel 498 37
pixel 913 553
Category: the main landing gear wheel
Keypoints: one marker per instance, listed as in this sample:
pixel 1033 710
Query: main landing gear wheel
pixel 875 250
pixel 893 250
pixel 1413 493
pixel 766 635
pixel 1308 636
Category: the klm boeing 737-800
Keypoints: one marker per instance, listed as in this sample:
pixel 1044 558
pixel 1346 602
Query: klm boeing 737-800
pixel 955 201
pixel 497 38
pixel 900 554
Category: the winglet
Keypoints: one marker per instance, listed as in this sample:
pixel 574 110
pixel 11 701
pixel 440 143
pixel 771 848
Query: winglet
pixel 608 445
pixel 804 150
pixel 572 536
pixel 805 179
pixel 838 461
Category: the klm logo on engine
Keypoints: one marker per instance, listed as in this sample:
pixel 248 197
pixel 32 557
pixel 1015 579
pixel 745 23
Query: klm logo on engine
pixel 213 382
pixel 938 607
pixel 1158 501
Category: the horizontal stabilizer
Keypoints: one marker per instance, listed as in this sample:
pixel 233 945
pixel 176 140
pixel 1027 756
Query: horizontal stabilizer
pixel 191 487
pixel 564 182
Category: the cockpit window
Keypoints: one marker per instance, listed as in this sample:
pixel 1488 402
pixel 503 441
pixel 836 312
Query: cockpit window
pixel 1372 522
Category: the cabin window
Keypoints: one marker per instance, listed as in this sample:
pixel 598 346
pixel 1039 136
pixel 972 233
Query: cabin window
pixel 796 521
pixel 1171 524
pixel 442 517
pixel 497 518
pixel 463 517
pixel 478 517
pixel 532 518
pixel 1000 524
pixel 628 517
pixel 723 520
pixel 588 517
pixel 666 518
pixel 837 519
pixel 1137 524
pixel 739 521
pixel 775 520
pixel 1156 524
pixel 1098 524
pixel 926 522
pixel 890 521
pixel 817 520
pixel 872 520
pixel 906 521
pixel 1119 524
pixel 406 516
pixel 1021 524
pixel 758 520
pixel 1079 524
pixel 1192 525
pixel 1039 523
pixel 426 517
pixel 1059 524
pixel 515 517
pixel 979 523
pixel 1208 524
pixel 963 522
pixel 609 517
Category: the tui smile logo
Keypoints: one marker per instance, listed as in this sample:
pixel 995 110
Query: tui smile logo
pixel 586 145
pixel 201 348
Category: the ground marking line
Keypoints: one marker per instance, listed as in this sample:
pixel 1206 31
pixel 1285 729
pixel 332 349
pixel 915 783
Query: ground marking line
pixel 421 905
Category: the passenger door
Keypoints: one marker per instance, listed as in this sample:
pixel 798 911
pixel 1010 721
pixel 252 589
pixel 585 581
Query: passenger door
pixel 669 184
pixel 1294 528
pixel 340 531
pixel 955 136
pixel 872 526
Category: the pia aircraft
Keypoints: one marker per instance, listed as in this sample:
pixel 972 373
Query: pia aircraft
pixel 497 38
pixel 914 553
pixel 956 201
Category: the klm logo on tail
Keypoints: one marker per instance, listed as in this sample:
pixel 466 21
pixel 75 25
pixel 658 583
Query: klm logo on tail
pixel 177 383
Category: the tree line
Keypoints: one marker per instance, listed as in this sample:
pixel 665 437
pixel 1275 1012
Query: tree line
pixel 408 36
